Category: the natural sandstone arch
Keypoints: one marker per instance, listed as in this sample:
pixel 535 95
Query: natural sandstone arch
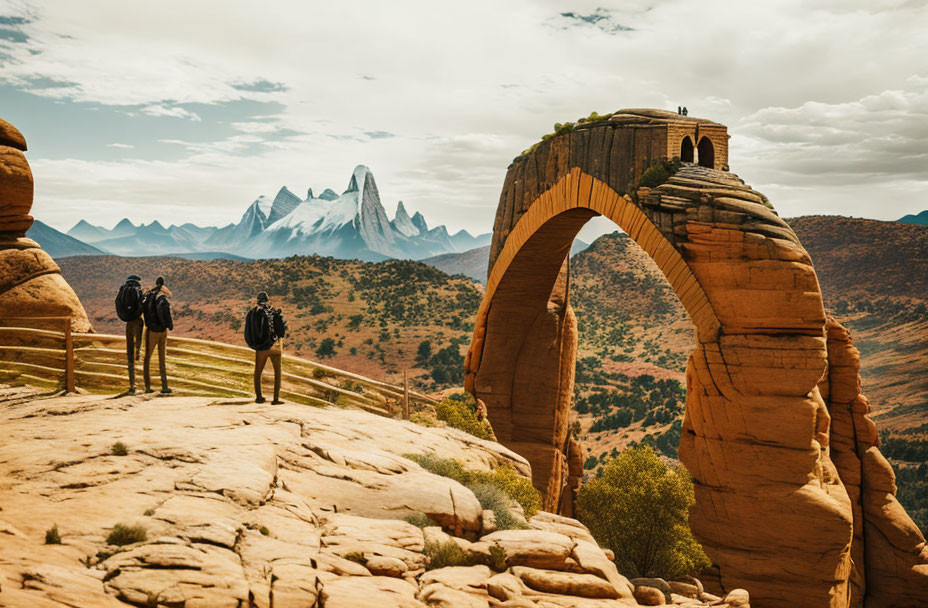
pixel 706 152
pixel 686 150
pixel 772 510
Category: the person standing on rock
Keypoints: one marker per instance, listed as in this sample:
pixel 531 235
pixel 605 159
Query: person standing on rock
pixel 265 330
pixel 129 309
pixel 158 321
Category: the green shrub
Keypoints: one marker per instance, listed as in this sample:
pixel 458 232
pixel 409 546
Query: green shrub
pixel 449 553
pixel 492 497
pixel 446 467
pixel 658 173
pixel 513 485
pixel 420 520
pixel 52 537
pixel 326 348
pixel 638 508
pixel 119 449
pixel 123 534
pixel 264 531
pixel 519 488
pixel 497 559
pixel 462 414
pixel 422 419
pixel 356 557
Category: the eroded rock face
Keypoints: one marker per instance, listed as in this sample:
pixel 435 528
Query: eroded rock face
pixel 889 553
pixel 248 505
pixel 772 508
pixel 30 281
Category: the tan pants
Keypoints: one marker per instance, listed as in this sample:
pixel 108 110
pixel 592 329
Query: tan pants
pixel 133 347
pixel 155 339
pixel 274 353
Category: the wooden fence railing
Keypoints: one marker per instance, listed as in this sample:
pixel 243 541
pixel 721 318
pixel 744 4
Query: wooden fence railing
pixel 59 358
pixel 66 372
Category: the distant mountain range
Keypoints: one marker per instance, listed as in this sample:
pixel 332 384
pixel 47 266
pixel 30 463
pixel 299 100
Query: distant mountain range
pixel 921 219
pixel 350 225
pixel 59 244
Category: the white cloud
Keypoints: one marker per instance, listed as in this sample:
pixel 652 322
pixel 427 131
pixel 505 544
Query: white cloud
pixel 816 98
pixel 157 109
pixel 121 146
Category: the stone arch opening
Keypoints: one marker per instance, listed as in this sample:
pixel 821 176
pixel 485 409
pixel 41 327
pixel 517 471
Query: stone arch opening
pixel 773 479
pixel 686 150
pixel 754 350
pixel 706 152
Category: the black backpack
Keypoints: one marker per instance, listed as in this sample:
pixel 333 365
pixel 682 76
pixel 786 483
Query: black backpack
pixel 150 309
pixel 129 301
pixel 263 326
pixel 280 326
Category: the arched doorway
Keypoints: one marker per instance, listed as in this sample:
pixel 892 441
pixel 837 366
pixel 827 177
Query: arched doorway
pixel 706 153
pixel 686 150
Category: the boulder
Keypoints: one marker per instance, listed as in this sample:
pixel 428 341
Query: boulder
pixel 440 596
pixel 657 583
pixel 369 592
pixel 504 587
pixel 30 282
pixel 649 596
pixel 566 583
pixel 534 548
pixel 684 589
pixel 738 598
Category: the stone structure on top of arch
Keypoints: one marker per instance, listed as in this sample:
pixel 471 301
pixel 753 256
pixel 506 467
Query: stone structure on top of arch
pixel 794 501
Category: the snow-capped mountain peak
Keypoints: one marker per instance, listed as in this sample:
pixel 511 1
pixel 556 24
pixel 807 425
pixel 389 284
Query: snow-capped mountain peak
pixel 402 223
pixel 353 224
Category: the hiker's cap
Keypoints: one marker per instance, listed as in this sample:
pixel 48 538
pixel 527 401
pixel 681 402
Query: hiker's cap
pixel 134 277
pixel 262 297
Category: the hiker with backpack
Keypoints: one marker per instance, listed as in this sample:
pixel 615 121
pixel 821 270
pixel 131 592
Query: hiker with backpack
pixel 129 309
pixel 265 330
pixel 156 307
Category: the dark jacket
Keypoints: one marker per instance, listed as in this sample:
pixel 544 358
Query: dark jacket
pixel 158 313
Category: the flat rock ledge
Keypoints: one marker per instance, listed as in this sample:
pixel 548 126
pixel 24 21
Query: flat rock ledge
pixel 260 506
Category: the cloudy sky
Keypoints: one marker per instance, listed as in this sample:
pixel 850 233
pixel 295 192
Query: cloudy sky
pixel 187 111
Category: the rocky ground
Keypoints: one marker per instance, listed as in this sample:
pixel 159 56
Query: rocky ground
pixel 262 506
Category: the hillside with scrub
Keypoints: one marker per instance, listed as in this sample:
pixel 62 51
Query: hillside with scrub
pixel 378 319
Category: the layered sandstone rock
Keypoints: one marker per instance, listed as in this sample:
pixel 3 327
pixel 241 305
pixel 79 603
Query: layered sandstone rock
pixel 30 282
pixel 889 553
pixel 772 509
pixel 248 505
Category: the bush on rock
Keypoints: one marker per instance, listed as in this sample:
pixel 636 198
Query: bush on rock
pixel 639 508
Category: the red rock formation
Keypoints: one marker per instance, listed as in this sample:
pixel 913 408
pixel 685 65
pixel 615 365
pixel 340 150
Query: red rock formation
pixel 889 553
pixel 772 510
pixel 30 282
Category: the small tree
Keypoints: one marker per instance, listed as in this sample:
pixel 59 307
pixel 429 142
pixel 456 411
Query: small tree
pixel 326 348
pixel 638 508
pixel 424 352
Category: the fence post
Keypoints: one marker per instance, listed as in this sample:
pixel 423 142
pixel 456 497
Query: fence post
pixel 405 394
pixel 68 357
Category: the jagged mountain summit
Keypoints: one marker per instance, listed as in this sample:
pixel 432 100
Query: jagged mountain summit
pixel 350 225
